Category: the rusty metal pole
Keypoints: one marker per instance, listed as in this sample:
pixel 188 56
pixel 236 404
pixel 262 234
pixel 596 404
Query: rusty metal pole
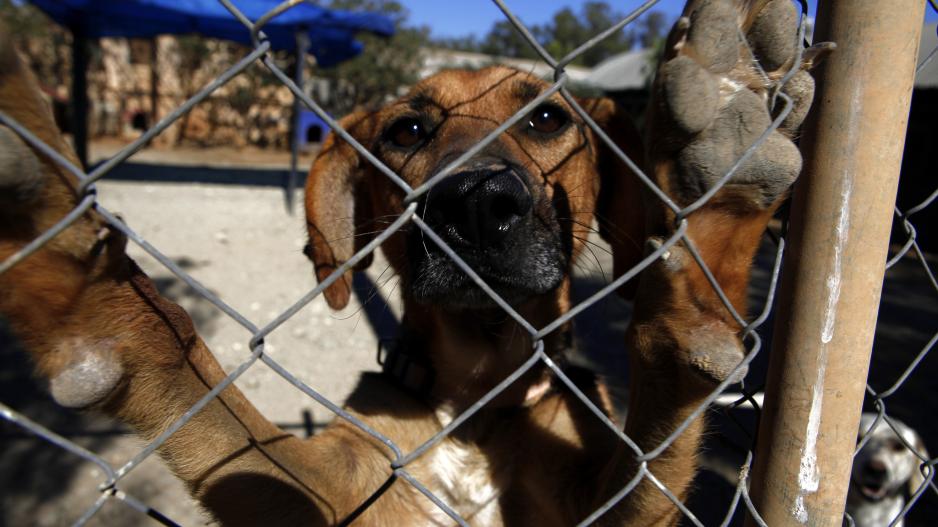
pixel 842 211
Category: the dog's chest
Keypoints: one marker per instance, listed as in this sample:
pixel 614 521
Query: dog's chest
pixel 867 514
pixel 463 477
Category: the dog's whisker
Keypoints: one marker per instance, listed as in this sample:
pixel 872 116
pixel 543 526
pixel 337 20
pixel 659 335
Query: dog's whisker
pixel 355 235
pixel 588 227
pixel 595 259
pixel 594 244
pixel 375 290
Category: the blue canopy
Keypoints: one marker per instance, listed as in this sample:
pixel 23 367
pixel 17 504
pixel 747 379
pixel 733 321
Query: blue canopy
pixel 331 33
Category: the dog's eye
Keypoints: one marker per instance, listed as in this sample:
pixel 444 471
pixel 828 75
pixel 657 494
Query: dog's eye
pixel 406 132
pixel 547 119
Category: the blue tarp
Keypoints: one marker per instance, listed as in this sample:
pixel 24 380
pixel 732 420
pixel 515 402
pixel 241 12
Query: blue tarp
pixel 331 32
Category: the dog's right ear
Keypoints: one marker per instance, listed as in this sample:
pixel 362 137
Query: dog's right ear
pixel 338 207
pixel 620 210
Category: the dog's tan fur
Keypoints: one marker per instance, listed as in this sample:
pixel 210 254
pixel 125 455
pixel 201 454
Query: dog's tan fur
pixel 528 458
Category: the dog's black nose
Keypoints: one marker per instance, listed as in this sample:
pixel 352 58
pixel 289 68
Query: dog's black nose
pixel 478 207
pixel 874 472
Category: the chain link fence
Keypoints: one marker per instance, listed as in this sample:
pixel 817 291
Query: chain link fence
pixel 738 507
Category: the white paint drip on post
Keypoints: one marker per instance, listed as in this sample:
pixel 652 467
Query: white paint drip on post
pixel 833 280
pixel 808 476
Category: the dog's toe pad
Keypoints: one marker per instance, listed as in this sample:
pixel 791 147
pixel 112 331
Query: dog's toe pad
pixel 772 35
pixel 713 35
pixel 714 353
pixel 91 374
pixel 801 90
pixel 690 93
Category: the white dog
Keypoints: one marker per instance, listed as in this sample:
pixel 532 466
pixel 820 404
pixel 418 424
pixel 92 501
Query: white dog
pixel 885 472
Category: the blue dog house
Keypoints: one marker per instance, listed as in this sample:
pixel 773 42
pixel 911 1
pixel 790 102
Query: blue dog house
pixel 310 129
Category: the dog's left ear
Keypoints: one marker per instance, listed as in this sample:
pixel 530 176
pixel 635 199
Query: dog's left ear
pixel 917 478
pixel 619 209
pixel 338 206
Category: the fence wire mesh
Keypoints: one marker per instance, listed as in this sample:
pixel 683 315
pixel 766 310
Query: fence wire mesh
pixel 740 504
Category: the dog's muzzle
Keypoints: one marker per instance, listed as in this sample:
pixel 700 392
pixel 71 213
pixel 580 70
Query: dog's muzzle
pixel 489 216
pixel 479 208
pixel 873 480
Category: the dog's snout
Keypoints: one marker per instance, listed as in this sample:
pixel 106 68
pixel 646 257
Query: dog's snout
pixel 500 223
pixel 479 207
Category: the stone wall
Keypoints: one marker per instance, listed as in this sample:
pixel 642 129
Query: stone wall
pixel 128 77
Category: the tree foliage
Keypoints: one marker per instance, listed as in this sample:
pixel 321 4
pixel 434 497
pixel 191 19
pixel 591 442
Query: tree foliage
pixel 385 65
pixel 566 31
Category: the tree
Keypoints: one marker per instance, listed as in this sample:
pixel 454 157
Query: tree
pixel 653 26
pixel 506 41
pixel 565 32
pixel 596 18
pixel 464 43
pixel 385 65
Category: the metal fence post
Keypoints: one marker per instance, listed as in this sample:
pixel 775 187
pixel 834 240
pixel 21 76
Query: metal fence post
pixel 299 63
pixel 842 211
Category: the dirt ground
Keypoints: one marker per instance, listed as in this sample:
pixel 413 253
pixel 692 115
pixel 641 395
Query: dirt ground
pixel 240 241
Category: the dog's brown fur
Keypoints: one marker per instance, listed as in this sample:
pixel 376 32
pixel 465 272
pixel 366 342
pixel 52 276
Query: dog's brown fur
pixel 528 458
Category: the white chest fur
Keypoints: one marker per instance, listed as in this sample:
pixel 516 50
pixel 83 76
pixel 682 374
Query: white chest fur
pixel 461 475
pixel 463 478
pixel 877 514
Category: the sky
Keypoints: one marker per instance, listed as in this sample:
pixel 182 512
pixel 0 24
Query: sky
pixel 455 18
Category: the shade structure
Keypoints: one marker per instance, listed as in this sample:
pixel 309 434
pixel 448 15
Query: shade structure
pixel 331 32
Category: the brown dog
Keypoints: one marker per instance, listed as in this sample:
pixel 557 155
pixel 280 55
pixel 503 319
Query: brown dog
pixel 518 214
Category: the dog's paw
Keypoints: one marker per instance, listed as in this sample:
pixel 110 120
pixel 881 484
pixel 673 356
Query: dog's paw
pixel 713 95
pixel 704 343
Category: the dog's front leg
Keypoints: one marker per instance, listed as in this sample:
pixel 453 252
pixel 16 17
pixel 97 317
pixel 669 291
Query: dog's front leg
pixel 712 101
pixel 106 340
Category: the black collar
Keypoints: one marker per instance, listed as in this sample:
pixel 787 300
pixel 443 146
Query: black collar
pixel 409 370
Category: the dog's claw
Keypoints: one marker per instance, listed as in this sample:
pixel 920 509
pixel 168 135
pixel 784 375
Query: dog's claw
pixel 672 259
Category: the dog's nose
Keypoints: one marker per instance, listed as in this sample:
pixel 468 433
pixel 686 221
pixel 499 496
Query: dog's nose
pixel 875 471
pixel 478 207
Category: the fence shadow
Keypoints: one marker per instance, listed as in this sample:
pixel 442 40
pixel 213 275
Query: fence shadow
pixel 163 173
pixel 32 470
